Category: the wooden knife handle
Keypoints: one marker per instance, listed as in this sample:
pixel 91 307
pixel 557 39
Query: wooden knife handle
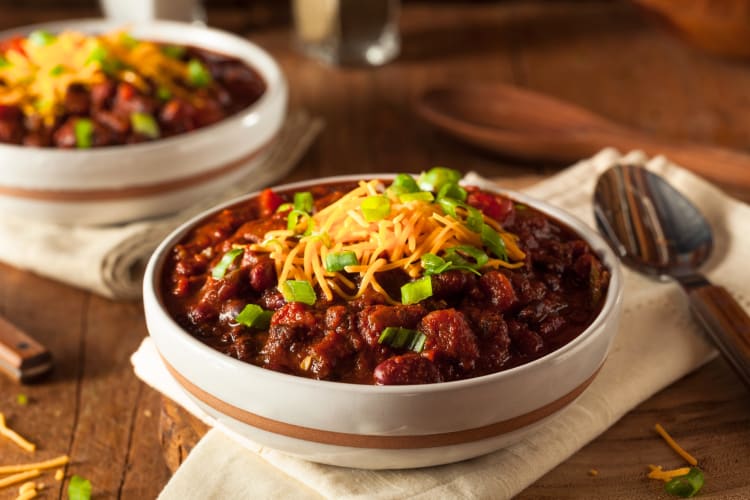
pixel 727 324
pixel 22 357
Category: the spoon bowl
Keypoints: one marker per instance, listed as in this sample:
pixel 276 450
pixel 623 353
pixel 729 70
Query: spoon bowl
pixel 657 231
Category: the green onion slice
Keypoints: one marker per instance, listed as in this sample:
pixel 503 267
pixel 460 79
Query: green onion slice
pixel 403 183
pixel 433 264
pixel 41 38
pixel 416 291
pixel 163 93
pixel 436 177
pixel 57 70
pixel 686 486
pixel 173 51
pixel 337 261
pixel 398 338
pixel 298 291
pixel 98 54
pixel 458 256
pixel 254 316
pixel 128 41
pixel 84 132
pixel 492 240
pixel 145 124
pixel 197 74
pixel 474 219
pixel 3 62
pixel 295 217
pixel 375 208
pixel 284 207
pixel 452 190
pixel 79 488
pixel 220 269
pixel 418 196
pixel 303 201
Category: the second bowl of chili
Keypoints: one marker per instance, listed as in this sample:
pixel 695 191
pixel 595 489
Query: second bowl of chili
pixel 99 124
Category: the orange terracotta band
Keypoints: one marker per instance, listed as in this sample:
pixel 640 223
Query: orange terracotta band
pixel 132 191
pixel 379 442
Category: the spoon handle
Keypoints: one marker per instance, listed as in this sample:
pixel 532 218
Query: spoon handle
pixel 727 324
pixel 22 357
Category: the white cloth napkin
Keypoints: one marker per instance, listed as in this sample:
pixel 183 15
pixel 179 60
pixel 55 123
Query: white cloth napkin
pixel 109 260
pixel 657 344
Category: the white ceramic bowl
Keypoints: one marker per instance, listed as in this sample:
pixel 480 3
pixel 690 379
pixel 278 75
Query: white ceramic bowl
pixel 119 183
pixel 382 427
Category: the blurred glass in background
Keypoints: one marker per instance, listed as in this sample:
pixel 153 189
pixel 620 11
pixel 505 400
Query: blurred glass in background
pixel 146 10
pixel 348 32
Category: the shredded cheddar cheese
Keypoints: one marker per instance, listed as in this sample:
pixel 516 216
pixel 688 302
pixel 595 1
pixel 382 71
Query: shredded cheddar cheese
pixel 396 241
pixel 14 436
pixel 36 75
pixel 676 447
pixel 47 464
pixel 19 477
pixel 666 475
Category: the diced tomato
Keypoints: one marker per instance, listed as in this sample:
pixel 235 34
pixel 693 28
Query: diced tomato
pixel 497 207
pixel 269 202
pixel 125 91
pixel 13 43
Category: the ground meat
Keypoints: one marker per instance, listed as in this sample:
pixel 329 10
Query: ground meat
pixel 449 337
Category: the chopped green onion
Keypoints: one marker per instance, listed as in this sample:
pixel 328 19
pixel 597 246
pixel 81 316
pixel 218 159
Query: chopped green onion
pixel 449 206
pixel 145 124
pixel 173 51
pixel 436 177
pixel 197 74
pixel 375 208
pixel 226 260
pixel 79 488
pixel 41 38
pixel 452 190
pixel 474 219
pixel 254 316
pixel 84 132
pixel 403 183
pixel 418 196
pixel 163 93
pixel 98 54
pixel 298 291
pixel 520 206
pixel 686 486
pixel 433 264
pixel 398 338
pixel 3 62
pixel 303 201
pixel 492 240
pixel 416 291
pixel 337 261
pixel 293 219
pixel 127 40
pixel 57 70
pixel 284 207
pixel 456 256
pixel 22 399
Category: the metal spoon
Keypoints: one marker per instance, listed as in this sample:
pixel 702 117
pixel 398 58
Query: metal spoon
pixel 657 231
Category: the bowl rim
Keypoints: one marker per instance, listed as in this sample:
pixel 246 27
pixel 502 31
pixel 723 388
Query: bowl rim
pixel 614 296
pixel 263 63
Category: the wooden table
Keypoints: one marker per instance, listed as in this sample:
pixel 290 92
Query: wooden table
pixel 602 55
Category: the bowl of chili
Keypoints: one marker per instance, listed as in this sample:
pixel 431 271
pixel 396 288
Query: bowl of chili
pixel 390 322
pixel 100 124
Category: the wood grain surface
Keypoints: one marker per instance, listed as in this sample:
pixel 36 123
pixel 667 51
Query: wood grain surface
pixel 602 55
